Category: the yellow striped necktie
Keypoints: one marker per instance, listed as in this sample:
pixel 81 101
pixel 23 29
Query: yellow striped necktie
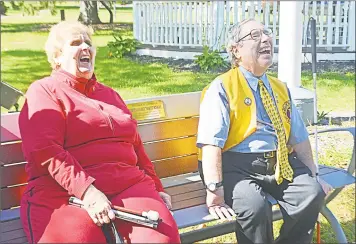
pixel 283 168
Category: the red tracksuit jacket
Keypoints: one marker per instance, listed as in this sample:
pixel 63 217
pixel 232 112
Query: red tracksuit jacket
pixel 76 133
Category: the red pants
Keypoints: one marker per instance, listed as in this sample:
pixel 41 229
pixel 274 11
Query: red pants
pixel 47 217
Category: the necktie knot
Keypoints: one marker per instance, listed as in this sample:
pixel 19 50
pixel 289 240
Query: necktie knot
pixel 261 84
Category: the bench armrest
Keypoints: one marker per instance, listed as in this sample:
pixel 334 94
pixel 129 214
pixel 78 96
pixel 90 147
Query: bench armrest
pixel 351 166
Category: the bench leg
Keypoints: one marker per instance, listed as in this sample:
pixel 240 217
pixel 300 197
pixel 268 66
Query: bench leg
pixel 340 235
pixel 333 194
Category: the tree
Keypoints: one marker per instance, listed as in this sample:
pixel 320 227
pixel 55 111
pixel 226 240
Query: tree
pixel 32 8
pixel 3 8
pixel 89 12
pixel 108 9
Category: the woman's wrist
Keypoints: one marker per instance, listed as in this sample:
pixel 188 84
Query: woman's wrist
pixel 88 191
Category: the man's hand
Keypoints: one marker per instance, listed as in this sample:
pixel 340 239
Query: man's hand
pixel 166 199
pixel 326 187
pixel 217 206
pixel 98 206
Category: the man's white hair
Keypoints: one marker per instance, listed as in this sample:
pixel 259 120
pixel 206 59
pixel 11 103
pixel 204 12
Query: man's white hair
pixel 233 36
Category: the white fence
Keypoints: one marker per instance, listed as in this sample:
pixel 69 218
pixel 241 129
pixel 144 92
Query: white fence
pixel 198 23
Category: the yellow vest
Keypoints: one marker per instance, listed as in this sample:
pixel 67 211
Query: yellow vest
pixel 242 105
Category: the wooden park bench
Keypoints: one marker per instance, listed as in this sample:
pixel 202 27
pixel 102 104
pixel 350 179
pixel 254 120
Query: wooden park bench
pixel 168 126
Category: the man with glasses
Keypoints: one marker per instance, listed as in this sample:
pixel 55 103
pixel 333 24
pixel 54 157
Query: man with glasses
pixel 252 142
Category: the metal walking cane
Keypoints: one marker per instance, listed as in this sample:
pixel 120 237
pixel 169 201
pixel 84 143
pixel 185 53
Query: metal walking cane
pixel 314 61
pixel 149 219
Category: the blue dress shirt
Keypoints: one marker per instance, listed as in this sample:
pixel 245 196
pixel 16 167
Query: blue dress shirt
pixel 214 119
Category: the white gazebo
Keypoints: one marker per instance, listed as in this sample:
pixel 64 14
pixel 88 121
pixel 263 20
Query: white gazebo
pixel 180 29
pixel 192 24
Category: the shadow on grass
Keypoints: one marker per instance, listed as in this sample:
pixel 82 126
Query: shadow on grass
pixel 29 27
pixel 45 27
pixel 328 235
pixel 333 80
pixel 159 78
pixel 21 67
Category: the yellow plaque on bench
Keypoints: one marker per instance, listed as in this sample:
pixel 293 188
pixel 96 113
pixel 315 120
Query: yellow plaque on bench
pixel 147 110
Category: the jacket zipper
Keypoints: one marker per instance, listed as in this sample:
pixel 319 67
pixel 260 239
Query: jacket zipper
pixel 110 122
pixel 106 115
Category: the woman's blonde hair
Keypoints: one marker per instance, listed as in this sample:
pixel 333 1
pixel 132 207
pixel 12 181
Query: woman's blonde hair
pixel 59 34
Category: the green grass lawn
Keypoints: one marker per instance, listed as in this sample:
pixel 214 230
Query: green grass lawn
pixel 24 61
pixel 20 67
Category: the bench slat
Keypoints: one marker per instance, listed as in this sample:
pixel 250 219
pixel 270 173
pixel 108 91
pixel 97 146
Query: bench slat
pixel 8 215
pixel 10 197
pixel 17 240
pixel 181 180
pixel 339 178
pixel 183 217
pixel 173 148
pixel 176 166
pixel 11 153
pixel 326 169
pixel 181 189
pixel 188 203
pixel 11 225
pixel 13 175
pixel 168 129
pixel 11 236
pixel 189 195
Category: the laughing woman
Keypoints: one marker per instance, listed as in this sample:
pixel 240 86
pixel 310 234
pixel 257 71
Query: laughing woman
pixel 80 139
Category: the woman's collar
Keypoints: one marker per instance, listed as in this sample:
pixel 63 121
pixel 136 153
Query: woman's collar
pixel 80 84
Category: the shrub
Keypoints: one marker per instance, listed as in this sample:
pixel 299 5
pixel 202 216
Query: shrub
pixel 121 46
pixel 210 60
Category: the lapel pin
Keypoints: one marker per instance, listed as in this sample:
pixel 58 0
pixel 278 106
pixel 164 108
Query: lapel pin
pixel 248 101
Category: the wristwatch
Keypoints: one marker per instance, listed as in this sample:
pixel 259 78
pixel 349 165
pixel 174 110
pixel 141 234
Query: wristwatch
pixel 212 187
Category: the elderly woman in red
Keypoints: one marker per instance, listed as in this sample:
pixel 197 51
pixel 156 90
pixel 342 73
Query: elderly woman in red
pixel 80 139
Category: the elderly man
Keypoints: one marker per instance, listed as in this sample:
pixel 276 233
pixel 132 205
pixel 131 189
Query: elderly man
pixel 253 143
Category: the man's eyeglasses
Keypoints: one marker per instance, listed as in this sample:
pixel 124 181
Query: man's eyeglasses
pixel 256 34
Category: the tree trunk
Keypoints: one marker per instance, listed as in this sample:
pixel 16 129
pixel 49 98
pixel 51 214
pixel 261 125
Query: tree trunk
pixel 110 12
pixel 2 8
pixel 89 12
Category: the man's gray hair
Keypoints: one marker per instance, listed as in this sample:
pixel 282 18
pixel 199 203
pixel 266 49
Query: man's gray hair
pixel 233 36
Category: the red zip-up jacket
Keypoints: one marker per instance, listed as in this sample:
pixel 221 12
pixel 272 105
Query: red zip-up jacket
pixel 77 132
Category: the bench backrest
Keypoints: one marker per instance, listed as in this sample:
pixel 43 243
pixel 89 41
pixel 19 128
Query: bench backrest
pixel 168 127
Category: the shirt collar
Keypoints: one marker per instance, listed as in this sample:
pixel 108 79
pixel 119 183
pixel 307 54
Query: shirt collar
pixel 253 80
pixel 82 85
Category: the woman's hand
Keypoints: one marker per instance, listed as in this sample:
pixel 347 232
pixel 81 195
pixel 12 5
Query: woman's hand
pixel 98 206
pixel 166 199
